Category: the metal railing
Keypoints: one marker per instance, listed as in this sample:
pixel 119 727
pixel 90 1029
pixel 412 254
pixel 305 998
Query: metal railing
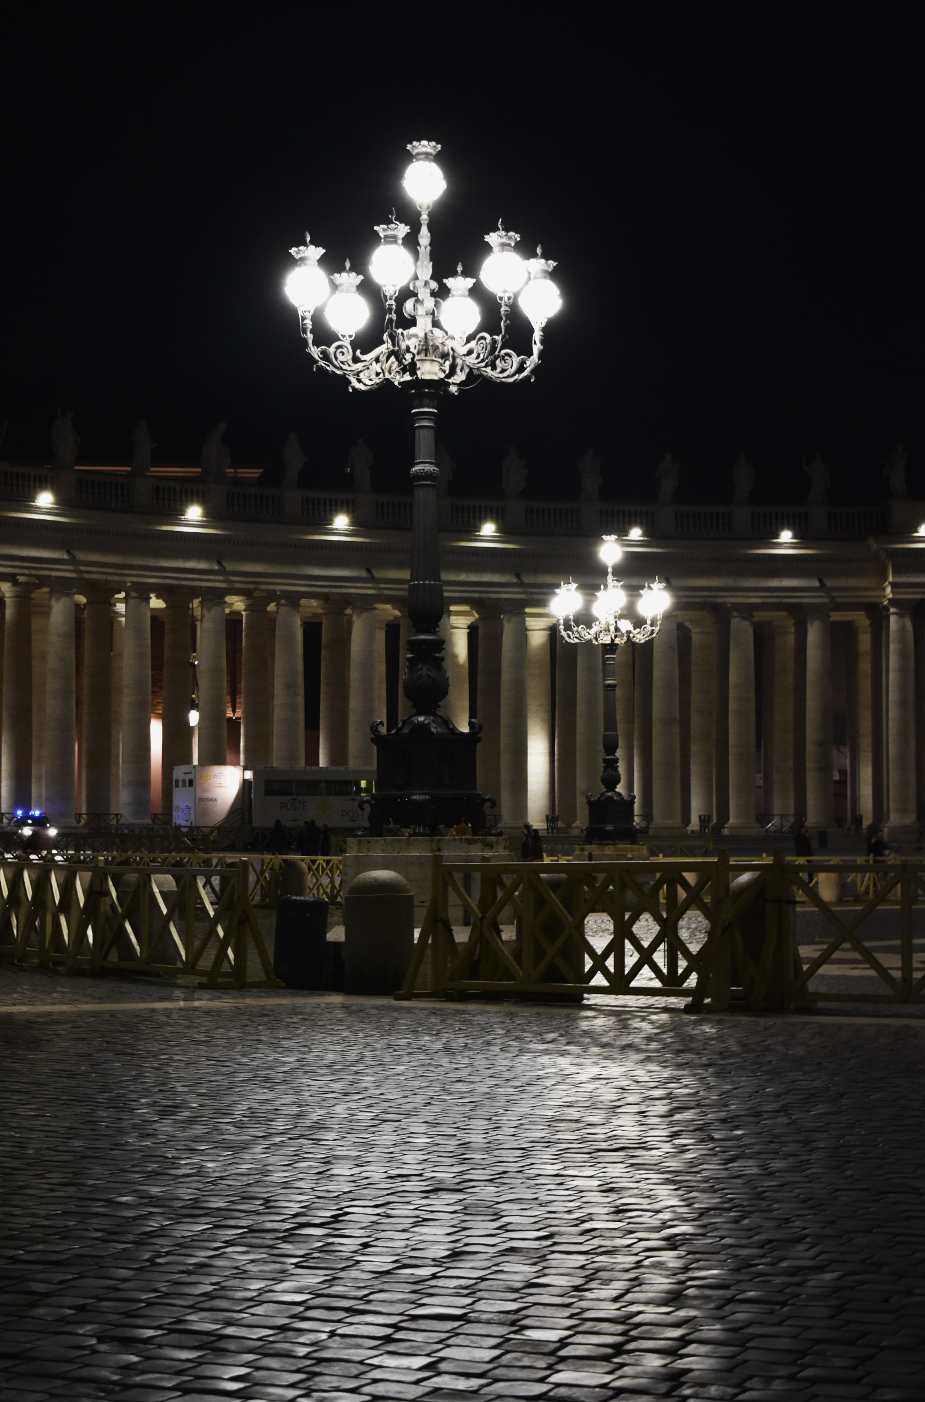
pixel 682 928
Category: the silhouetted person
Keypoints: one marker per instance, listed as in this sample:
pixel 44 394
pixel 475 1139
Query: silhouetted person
pixel 531 846
pixel 309 839
pixel 279 837
pixel 324 845
pixel 802 845
pixel 877 846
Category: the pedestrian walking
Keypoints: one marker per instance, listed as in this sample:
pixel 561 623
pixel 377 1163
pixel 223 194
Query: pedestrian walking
pixel 324 844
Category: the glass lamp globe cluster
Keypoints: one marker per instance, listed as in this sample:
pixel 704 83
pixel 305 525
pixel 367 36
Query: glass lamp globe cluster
pixel 611 625
pixel 440 344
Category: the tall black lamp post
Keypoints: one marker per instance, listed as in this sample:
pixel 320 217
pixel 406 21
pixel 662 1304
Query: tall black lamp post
pixel 611 816
pixel 426 767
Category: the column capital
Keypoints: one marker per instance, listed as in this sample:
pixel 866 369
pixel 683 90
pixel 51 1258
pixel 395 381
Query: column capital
pixel 19 588
pixel 289 599
pixel 138 591
pixel 256 603
pixel 819 613
pixel 65 585
pixel 539 621
pixel 488 609
pixel 697 620
pixel 461 615
pixel 97 593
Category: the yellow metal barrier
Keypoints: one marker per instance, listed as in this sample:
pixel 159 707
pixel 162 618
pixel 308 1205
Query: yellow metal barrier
pixel 672 928
pixel 102 916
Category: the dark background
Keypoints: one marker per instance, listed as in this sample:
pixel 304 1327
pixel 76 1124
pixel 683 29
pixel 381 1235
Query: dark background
pixel 733 196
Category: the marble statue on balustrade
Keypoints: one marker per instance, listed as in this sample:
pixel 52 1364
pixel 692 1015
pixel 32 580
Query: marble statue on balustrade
pixel 293 461
pixel 820 481
pixel 64 442
pixel 743 480
pixel 589 470
pixel 141 455
pixel 215 458
pixel 359 462
pixel 513 474
pixel 446 467
pixel 894 470
pixel 667 473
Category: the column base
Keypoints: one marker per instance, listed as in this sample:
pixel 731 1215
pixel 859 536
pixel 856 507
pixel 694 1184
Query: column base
pixel 902 832
pixel 742 829
pixel 676 831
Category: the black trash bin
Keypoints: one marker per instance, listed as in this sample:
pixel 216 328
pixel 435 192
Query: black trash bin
pixel 301 935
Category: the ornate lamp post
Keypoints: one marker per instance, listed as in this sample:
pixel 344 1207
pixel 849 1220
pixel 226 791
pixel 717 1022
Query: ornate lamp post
pixel 426 767
pixel 610 815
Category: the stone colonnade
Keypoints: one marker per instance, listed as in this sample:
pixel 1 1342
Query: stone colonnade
pixel 727 714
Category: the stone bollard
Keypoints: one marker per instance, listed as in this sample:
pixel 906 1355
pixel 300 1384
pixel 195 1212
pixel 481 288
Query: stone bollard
pixel 378 932
pixel 293 878
pixel 165 952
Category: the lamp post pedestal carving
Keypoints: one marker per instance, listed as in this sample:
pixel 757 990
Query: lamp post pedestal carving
pixel 611 816
pixel 426 766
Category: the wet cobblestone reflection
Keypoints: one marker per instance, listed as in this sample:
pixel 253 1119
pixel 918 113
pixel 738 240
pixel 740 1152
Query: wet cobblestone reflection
pixel 276 1199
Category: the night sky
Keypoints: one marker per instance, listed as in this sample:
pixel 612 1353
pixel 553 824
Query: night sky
pixel 733 195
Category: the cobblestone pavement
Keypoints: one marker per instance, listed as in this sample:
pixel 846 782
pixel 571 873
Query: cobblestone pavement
pixel 295 1198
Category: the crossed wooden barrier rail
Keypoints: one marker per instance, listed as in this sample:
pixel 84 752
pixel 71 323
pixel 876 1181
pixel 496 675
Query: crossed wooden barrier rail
pixel 197 916
pixel 525 931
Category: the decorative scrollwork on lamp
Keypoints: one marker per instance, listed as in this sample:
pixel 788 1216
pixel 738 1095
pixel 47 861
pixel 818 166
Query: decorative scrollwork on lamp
pixel 436 352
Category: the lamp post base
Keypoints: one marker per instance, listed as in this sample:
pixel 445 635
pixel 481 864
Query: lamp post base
pixel 611 818
pixel 426 779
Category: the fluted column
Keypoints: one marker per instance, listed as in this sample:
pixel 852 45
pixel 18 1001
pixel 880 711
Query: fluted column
pixel 642 706
pixel 211 672
pixel 456 705
pixel 514 718
pixel 819 807
pixel 363 639
pixel 566 709
pixel 539 719
pixel 136 707
pixel 701 627
pixel 41 604
pixel 742 729
pixel 16 780
pixel 784 642
pixel 288 697
pixel 626 719
pixel 666 733
pixel 901 725
pixel 489 701
pixel 96 709
pixel 589 727
pixel 60 706
pixel 176 694
pixel 335 710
